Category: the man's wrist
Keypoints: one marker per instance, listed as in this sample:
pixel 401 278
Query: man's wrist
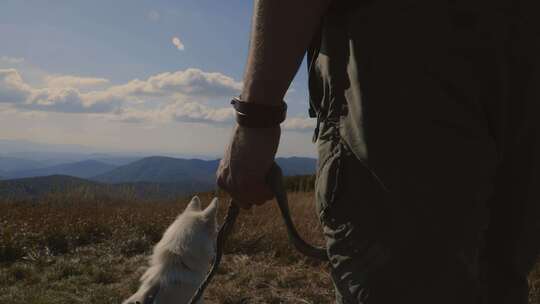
pixel 255 115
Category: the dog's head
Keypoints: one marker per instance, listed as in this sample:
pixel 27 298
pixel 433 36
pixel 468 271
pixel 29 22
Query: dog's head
pixel 195 231
pixel 203 221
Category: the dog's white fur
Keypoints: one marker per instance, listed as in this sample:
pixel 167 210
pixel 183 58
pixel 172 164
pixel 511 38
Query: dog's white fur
pixel 182 257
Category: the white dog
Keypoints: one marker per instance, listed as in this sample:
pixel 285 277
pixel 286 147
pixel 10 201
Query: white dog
pixel 182 257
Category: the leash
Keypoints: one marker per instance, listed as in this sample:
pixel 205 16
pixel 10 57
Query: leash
pixel 224 231
pixel 275 181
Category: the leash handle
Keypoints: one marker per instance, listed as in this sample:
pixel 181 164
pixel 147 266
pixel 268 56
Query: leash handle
pixel 224 231
pixel 275 181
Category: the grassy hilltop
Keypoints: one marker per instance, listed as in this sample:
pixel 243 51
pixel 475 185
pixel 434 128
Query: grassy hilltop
pixel 82 249
pixel 68 250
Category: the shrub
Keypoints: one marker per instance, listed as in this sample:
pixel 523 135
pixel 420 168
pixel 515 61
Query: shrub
pixel 10 252
pixel 57 241
pixel 11 245
pixel 20 272
pixel 103 276
pixel 135 246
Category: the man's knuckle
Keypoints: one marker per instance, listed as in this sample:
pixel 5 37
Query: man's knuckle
pixel 221 183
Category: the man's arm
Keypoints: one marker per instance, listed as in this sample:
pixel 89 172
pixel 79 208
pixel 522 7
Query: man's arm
pixel 281 33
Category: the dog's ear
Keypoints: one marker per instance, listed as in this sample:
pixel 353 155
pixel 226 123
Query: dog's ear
pixel 210 213
pixel 195 204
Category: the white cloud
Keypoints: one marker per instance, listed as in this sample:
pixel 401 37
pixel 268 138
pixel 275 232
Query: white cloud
pixel 190 82
pixel 12 60
pixel 12 88
pixel 131 115
pixel 179 111
pixel 178 43
pixel 69 100
pixel 196 112
pixel 69 81
pixel 62 94
pixel 299 124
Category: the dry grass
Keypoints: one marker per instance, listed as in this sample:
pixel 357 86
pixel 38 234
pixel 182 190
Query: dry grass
pixel 94 252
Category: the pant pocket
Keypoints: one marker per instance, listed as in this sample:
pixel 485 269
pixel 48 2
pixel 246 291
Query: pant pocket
pixel 328 176
pixel 345 200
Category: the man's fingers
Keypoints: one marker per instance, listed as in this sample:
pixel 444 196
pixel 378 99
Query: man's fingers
pixel 254 194
pixel 222 184
pixel 237 198
pixel 224 179
pixel 247 191
pixel 244 200
pixel 263 195
pixel 241 203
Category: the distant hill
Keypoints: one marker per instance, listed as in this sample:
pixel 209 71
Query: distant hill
pixel 158 169
pixel 115 160
pixel 297 165
pixel 36 187
pixel 83 169
pixel 18 146
pixel 16 164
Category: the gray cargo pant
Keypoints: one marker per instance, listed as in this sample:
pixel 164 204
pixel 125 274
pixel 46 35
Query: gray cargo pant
pixel 423 242
pixel 442 205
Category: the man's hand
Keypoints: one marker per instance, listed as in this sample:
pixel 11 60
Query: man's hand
pixel 248 158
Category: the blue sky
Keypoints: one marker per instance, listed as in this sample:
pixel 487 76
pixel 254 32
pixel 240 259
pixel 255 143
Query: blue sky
pixel 131 75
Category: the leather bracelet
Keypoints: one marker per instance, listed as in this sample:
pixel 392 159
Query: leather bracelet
pixel 255 115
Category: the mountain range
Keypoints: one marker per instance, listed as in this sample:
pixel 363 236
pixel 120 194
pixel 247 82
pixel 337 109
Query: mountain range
pixel 58 154
pixel 18 164
pixel 83 169
pixel 172 176
pixel 37 187
pixel 159 169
